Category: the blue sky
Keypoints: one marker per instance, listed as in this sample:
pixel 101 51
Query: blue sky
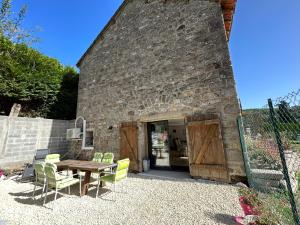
pixel 264 45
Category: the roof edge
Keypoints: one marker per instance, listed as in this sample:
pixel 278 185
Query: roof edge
pixel 228 7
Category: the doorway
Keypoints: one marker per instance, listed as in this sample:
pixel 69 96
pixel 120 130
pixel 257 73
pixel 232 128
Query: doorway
pixel 167 145
pixel 158 145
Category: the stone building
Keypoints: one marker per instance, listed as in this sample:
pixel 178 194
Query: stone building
pixel 157 83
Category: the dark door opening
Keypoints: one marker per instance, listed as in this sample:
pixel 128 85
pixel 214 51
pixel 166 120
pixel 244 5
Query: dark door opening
pixel 158 145
pixel 167 145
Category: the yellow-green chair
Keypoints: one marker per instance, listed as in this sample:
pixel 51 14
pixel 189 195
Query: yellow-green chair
pixel 97 157
pixel 108 157
pixel 40 176
pixel 119 174
pixel 52 158
pixel 56 181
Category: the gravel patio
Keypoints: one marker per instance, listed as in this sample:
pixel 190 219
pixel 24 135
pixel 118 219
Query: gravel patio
pixel 139 200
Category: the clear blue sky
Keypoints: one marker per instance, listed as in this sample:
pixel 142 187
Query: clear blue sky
pixel 264 45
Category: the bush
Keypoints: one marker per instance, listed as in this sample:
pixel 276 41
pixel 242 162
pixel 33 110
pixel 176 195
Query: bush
pixel 31 79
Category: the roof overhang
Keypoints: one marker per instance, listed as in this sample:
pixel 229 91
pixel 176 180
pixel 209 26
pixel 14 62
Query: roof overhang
pixel 228 8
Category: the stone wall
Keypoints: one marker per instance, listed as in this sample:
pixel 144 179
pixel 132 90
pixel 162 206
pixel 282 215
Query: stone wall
pixel 20 137
pixel 265 179
pixel 160 59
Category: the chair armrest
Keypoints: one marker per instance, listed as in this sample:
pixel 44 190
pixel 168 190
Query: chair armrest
pixel 108 173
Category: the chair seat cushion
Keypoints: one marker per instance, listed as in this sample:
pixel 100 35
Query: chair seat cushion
pixel 108 178
pixel 67 182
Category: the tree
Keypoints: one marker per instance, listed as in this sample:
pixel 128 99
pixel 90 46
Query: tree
pixel 285 115
pixel 65 106
pixel 27 77
pixel 10 24
pixel 42 85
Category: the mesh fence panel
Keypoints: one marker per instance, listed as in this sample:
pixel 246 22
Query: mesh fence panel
pixel 267 168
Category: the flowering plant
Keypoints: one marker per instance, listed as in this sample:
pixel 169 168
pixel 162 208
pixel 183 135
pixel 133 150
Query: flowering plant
pixel 250 197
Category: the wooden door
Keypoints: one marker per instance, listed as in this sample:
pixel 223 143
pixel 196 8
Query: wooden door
pixel 206 153
pixel 129 144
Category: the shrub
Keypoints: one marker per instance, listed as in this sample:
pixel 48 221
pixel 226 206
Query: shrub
pixel 31 79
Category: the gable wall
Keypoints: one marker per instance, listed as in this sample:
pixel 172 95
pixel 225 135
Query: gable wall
pixel 161 59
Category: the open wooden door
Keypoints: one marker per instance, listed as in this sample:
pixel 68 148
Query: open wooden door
pixel 206 153
pixel 129 144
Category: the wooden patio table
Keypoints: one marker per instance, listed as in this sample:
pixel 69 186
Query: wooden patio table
pixel 84 166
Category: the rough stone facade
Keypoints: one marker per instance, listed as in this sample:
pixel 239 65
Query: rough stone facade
pixel 160 60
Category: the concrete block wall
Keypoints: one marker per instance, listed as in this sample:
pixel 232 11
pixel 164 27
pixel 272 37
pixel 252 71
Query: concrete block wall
pixel 20 137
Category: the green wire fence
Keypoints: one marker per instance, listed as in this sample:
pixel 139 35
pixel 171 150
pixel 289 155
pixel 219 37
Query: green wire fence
pixel 270 137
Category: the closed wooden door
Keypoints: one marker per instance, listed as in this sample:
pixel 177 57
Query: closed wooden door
pixel 129 144
pixel 206 153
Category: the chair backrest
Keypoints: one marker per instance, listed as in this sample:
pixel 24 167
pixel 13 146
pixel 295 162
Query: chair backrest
pixel 39 169
pixel 122 169
pixel 41 154
pixel 97 157
pixel 108 157
pixel 51 173
pixel 52 158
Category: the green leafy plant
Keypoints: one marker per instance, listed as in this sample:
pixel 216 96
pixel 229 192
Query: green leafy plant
pixel 273 207
pixel 250 197
pixel 34 80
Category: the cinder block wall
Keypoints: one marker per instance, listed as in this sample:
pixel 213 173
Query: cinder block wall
pixel 161 57
pixel 20 137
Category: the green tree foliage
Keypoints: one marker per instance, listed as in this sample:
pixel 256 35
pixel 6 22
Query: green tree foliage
pixel 42 85
pixel 65 106
pixel 34 80
pixel 284 112
pixel 10 24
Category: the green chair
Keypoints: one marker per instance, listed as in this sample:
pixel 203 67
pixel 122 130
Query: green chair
pixel 40 177
pixel 97 157
pixel 118 175
pixel 52 158
pixel 108 157
pixel 56 181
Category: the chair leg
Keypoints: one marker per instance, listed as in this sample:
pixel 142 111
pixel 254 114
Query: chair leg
pixel 115 191
pixel 79 185
pixel 98 185
pixel 69 189
pixel 45 198
pixel 43 191
pixel 55 194
pixel 34 189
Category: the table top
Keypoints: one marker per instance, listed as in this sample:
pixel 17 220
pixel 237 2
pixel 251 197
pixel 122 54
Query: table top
pixel 84 165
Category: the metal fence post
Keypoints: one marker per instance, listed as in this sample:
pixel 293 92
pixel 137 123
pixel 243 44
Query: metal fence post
pixel 245 152
pixel 284 166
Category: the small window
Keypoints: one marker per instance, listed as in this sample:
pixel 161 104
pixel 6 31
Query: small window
pixel 88 140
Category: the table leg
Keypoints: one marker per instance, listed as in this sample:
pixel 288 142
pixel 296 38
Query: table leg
pixel 102 183
pixel 74 172
pixel 86 182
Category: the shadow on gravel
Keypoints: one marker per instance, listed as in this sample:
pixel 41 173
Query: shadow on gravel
pixel 221 218
pixel 25 197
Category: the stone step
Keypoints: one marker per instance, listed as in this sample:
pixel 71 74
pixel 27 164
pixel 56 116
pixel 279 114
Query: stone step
pixel 267 174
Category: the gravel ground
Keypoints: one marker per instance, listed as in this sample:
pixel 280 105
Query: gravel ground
pixel 138 200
